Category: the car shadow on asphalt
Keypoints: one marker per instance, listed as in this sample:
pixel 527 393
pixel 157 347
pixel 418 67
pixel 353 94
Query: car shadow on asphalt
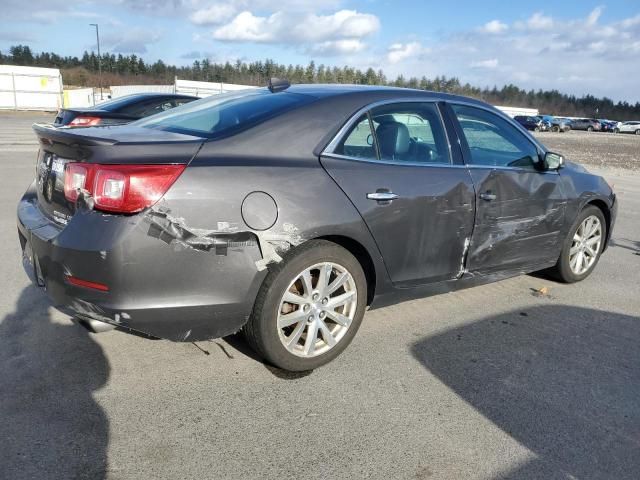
pixel 238 342
pixel 633 245
pixel 562 381
pixel 50 424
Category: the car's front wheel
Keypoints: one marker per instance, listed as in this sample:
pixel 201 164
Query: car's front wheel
pixel 590 129
pixel 309 307
pixel 616 130
pixel 638 132
pixel 583 246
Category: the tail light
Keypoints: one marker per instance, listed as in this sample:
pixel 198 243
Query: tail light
pixel 84 121
pixel 120 188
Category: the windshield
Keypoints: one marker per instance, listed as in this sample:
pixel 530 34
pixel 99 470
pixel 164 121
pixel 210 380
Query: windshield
pixel 218 115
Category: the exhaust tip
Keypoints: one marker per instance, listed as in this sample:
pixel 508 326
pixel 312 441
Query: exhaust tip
pixel 94 326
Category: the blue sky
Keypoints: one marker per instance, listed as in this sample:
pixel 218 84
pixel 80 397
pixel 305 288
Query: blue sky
pixel 574 46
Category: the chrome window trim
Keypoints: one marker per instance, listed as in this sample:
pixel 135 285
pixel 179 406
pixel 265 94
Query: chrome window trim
pixel 329 149
pixel 437 165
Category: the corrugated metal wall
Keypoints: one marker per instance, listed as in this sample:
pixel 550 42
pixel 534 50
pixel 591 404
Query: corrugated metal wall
pixel 30 88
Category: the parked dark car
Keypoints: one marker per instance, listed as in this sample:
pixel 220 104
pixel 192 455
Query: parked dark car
pixel 121 110
pixel 588 124
pixel 285 212
pixel 608 126
pixel 558 124
pixel 535 124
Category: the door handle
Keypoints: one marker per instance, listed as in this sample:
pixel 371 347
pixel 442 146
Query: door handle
pixel 382 196
pixel 488 196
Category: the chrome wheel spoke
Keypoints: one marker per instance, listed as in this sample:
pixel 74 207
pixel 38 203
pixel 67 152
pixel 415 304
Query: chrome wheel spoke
pixel 323 278
pixel 291 297
pixel 340 300
pixel 327 336
pixel 310 341
pixel 594 239
pixel 294 338
pixel 289 319
pixel 339 318
pixel 337 283
pixel 306 282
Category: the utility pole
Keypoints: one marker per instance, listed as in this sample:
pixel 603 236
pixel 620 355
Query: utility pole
pixel 99 59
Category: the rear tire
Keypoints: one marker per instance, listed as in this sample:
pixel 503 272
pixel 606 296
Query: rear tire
pixel 300 320
pixel 555 129
pixel 616 130
pixel 590 129
pixel 637 132
pixel 537 129
pixel 583 246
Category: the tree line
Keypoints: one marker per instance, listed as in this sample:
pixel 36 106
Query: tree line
pixel 123 69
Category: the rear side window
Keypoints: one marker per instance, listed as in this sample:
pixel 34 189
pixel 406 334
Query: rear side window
pixel 358 142
pixel 410 132
pixel 493 141
pixel 222 114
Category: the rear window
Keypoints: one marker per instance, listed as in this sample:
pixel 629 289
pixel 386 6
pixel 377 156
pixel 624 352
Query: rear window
pixel 219 115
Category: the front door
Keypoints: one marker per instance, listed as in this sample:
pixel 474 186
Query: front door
pixel 520 207
pixel 395 165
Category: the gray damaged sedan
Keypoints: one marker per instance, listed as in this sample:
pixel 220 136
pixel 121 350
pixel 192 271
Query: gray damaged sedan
pixel 287 211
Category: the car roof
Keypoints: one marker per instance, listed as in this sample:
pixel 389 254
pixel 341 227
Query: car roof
pixel 377 92
pixel 311 126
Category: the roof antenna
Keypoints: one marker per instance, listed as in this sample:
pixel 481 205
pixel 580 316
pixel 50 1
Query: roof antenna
pixel 278 84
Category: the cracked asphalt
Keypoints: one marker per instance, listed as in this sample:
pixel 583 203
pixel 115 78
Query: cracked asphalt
pixel 521 379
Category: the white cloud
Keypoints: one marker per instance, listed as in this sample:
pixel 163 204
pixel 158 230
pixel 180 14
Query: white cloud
pixel 337 33
pixel 593 17
pixel 539 21
pixel 338 47
pixel 398 52
pixel 213 15
pixel 494 26
pixel 489 64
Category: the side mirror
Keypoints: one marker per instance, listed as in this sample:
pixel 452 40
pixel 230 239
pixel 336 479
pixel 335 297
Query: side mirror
pixel 553 161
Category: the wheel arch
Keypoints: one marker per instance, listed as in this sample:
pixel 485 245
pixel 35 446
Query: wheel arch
pixel 362 255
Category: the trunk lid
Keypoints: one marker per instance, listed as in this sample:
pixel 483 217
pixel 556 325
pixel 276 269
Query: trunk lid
pixel 102 145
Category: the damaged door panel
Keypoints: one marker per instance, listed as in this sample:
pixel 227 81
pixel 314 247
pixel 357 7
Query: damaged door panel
pixel 520 224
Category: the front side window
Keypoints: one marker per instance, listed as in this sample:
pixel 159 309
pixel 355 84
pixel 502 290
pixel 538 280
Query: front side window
pixel 493 141
pixel 410 132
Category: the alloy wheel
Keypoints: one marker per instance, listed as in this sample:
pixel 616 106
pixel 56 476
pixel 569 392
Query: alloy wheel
pixel 317 309
pixel 585 245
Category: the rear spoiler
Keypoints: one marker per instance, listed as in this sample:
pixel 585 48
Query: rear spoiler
pixel 48 135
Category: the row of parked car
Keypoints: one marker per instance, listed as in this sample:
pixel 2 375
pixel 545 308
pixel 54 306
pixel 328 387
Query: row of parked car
pixel 548 123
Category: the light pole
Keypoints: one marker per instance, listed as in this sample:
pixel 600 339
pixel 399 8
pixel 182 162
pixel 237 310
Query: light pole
pixel 99 59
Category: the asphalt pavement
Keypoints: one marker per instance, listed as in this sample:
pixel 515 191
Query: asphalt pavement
pixel 505 381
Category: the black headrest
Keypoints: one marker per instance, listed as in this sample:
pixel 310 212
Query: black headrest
pixel 393 139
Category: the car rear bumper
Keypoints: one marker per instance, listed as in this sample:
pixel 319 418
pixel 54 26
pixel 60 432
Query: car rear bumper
pixel 156 285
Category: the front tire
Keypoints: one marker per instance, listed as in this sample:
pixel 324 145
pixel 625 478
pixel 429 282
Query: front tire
pixel 616 130
pixel 309 308
pixel 582 247
pixel 637 132
pixel 590 129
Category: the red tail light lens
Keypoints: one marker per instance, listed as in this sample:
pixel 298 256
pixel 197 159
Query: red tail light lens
pixel 75 178
pixel 83 121
pixel 120 188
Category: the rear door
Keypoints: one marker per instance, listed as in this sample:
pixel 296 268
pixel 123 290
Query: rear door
pixel 519 207
pixel 395 164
